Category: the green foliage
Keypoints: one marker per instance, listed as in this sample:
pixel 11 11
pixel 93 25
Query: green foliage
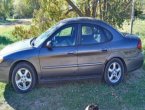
pixel 18 8
pixel 5 8
pixel 138 13
pixel 49 12
pixel 21 33
pixel 112 11
pixel 22 9
pixel 47 15
pixel 139 8
pixel 142 16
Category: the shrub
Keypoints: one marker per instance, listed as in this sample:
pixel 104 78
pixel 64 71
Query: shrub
pixel 21 33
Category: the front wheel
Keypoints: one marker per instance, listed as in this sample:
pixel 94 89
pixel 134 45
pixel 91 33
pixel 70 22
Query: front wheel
pixel 114 72
pixel 23 77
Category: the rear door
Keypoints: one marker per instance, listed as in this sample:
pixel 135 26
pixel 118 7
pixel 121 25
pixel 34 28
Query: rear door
pixel 93 49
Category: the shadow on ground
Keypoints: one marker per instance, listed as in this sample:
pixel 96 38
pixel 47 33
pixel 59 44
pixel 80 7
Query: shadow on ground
pixel 129 95
pixel 50 96
pixel 5 41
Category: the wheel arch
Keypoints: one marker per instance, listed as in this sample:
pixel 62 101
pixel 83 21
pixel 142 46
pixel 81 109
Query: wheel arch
pixel 20 61
pixel 121 59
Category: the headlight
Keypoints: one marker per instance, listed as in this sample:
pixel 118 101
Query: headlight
pixel 1 59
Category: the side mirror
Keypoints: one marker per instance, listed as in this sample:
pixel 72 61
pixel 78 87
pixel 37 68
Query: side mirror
pixel 49 45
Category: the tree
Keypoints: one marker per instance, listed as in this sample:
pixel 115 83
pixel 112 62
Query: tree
pixel 132 16
pixel 111 11
pixel 139 8
pixel 5 8
pixel 25 8
pixel 51 11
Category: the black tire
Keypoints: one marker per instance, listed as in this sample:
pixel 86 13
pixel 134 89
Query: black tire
pixel 31 72
pixel 107 74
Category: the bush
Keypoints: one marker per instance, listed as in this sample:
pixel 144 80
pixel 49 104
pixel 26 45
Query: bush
pixel 21 33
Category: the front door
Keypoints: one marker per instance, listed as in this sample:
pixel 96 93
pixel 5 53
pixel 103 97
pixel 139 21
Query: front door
pixel 61 60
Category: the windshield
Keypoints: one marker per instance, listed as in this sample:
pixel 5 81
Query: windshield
pixel 39 40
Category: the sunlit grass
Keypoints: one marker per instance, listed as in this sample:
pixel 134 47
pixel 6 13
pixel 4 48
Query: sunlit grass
pixel 6 35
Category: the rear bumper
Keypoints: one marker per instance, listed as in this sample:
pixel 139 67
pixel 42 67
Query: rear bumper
pixel 4 74
pixel 134 63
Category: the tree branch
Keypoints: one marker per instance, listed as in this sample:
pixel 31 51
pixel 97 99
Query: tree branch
pixel 127 5
pixel 68 11
pixel 76 9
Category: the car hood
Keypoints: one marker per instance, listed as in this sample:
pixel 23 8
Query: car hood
pixel 16 47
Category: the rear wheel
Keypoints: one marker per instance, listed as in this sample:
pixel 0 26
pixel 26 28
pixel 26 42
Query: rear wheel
pixel 114 72
pixel 23 77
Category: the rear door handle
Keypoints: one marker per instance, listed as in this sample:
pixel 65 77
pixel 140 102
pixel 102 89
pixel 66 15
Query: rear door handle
pixel 71 53
pixel 104 50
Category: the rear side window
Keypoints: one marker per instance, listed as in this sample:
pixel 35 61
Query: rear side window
pixel 91 34
pixel 108 34
pixel 86 30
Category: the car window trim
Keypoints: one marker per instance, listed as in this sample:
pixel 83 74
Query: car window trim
pixel 90 24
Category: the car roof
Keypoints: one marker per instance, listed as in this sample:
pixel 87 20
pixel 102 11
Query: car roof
pixel 91 20
pixel 80 20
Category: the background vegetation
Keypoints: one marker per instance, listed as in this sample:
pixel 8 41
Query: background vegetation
pixel 46 13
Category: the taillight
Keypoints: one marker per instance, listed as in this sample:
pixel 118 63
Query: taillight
pixel 139 45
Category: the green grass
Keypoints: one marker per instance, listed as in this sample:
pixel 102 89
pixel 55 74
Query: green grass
pixel 129 95
pixel 6 36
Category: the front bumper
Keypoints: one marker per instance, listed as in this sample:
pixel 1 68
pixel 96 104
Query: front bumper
pixel 134 63
pixel 4 74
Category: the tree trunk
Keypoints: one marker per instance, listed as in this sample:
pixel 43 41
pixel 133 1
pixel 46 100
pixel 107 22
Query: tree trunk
pixel 87 9
pixel 94 6
pixel 104 9
pixel 132 16
pixel 100 8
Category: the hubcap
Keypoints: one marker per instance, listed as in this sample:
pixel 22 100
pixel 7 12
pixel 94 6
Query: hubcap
pixel 114 72
pixel 23 79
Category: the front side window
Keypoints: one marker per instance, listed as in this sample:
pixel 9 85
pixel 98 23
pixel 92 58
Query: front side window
pixel 65 37
pixel 40 39
pixel 94 34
